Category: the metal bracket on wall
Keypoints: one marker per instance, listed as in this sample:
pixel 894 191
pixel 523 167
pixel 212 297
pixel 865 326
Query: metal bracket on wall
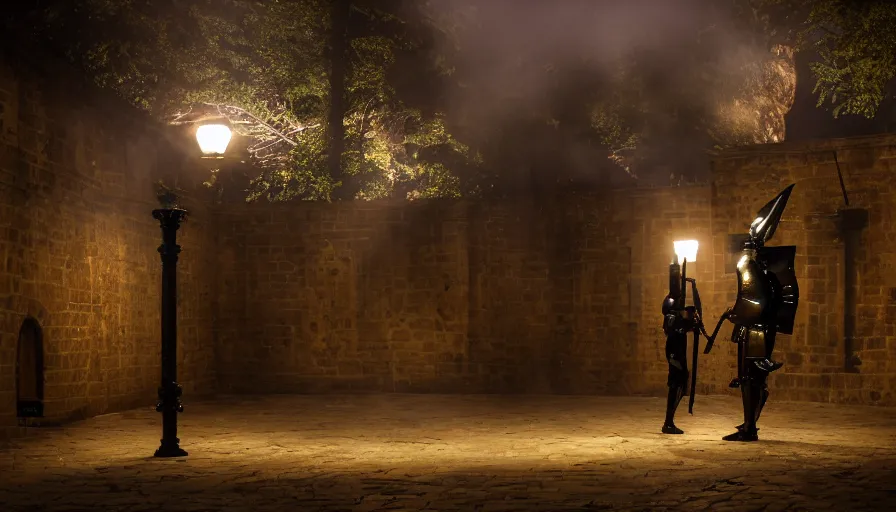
pixel 840 176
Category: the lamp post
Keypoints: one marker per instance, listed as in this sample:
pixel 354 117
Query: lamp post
pixel 170 217
pixel 213 141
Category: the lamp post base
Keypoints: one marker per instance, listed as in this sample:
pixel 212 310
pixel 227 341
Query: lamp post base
pixel 170 450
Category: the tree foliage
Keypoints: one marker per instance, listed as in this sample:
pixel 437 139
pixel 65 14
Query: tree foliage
pixel 855 45
pixel 264 66
pixel 418 116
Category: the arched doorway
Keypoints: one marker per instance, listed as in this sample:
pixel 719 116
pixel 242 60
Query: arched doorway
pixel 30 370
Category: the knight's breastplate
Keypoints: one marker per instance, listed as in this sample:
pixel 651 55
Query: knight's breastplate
pixel 754 293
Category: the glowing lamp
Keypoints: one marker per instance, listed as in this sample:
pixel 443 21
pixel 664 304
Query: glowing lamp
pixel 686 250
pixel 213 139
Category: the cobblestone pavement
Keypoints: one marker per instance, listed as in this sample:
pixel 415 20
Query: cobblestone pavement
pixel 458 453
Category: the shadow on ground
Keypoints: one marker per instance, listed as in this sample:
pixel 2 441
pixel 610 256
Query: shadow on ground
pixel 406 452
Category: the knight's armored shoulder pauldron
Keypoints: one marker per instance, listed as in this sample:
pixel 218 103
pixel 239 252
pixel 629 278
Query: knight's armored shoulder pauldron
pixel 754 292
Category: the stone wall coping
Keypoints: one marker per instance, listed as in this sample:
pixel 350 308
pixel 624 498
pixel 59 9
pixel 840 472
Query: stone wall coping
pixel 803 147
pixel 375 204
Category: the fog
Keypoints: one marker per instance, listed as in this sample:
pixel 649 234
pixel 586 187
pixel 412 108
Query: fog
pixel 687 76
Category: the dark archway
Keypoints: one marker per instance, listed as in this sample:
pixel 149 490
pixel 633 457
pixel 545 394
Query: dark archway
pixel 30 370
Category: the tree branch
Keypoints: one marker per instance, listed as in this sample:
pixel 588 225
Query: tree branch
pixel 270 128
pixel 297 130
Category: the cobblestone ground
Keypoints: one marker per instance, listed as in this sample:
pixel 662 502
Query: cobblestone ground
pixel 458 453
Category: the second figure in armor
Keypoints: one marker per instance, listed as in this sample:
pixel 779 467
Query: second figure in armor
pixel 766 304
pixel 767 298
pixel 678 321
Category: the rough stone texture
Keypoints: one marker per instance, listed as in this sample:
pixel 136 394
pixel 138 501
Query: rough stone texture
pixel 814 355
pixel 540 296
pixel 433 296
pixel 459 453
pixel 553 295
pixel 78 248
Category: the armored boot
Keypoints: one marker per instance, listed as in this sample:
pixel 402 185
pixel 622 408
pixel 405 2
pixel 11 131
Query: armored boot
pixel 751 397
pixel 672 401
pixel 761 406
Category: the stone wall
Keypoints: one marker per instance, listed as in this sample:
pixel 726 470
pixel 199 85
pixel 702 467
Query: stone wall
pixel 815 356
pixel 78 248
pixel 527 295
pixel 551 295
pixel 533 296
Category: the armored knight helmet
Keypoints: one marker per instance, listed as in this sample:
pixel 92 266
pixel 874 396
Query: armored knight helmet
pixel 763 227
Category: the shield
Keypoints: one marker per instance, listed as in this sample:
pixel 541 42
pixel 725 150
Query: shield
pixel 780 267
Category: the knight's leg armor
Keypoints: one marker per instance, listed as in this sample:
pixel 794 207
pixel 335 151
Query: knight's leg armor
pixel 736 335
pixel 676 348
pixel 676 393
pixel 751 397
pixel 754 371
pixel 762 401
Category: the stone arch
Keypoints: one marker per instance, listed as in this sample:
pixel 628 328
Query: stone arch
pixel 27 308
pixel 30 370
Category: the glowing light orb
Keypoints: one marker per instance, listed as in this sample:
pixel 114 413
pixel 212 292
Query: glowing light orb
pixel 213 138
pixel 686 250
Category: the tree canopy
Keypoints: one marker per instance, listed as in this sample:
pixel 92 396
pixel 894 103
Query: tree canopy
pixel 265 66
pixel 855 47
pixel 363 99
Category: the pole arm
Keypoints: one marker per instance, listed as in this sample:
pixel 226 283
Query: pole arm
pixel 694 372
pixel 712 339
pixel 698 306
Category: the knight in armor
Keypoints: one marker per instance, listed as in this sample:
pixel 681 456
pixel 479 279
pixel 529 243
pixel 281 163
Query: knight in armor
pixel 678 321
pixel 674 326
pixel 766 304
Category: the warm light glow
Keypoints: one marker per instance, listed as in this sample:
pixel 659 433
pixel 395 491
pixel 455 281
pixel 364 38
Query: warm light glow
pixel 686 250
pixel 213 138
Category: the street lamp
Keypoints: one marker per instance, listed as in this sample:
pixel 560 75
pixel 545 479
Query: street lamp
pixel 213 139
pixel 686 250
